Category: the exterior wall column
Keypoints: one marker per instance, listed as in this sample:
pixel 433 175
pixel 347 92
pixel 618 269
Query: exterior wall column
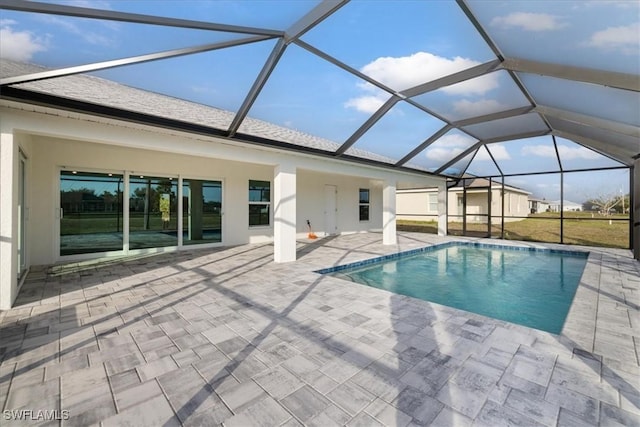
pixel 9 153
pixel 442 209
pixel 635 209
pixel 284 213
pixel 389 236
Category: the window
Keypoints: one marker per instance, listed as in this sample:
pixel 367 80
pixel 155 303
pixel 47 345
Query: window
pixel 259 202
pixel 364 204
pixel 91 213
pixel 433 203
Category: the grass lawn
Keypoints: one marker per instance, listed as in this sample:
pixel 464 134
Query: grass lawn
pixel 73 224
pixel 580 228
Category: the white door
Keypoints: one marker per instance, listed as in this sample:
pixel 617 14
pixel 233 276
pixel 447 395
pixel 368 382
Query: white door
pixel 330 209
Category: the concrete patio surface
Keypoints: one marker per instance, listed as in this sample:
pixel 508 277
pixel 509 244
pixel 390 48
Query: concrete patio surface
pixel 226 336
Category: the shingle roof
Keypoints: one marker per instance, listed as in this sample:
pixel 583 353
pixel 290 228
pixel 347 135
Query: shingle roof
pixel 105 92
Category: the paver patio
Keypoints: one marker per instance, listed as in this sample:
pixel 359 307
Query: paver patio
pixel 226 336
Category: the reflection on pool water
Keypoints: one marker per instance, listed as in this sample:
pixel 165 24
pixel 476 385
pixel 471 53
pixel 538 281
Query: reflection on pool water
pixel 533 288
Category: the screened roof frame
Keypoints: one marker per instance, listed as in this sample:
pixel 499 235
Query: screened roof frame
pixel 623 154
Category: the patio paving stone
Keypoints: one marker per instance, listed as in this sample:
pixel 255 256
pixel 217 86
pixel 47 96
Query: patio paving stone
pixel 225 336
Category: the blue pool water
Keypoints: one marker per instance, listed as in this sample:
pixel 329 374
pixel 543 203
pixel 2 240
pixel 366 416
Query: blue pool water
pixel 533 288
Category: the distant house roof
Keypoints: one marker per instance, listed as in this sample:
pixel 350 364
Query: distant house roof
pixel 538 199
pixel 567 203
pixel 96 90
pixel 484 183
pixel 479 183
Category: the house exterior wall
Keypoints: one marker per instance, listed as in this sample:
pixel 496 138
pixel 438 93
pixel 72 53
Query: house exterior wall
pixel 414 205
pixel 54 140
pixel 50 155
pixel 310 190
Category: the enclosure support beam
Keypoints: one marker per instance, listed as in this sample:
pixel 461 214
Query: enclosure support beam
pixel 561 207
pixel 96 66
pixel 372 120
pixel 502 209
pixel 587 75
pixel 489 194
pixel 634 214
pixel 442 209
pixel 258 84
pixel 389 236
pixel 284 213
pixel 112 15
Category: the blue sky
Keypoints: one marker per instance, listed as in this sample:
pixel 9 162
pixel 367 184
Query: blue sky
pixel 399 43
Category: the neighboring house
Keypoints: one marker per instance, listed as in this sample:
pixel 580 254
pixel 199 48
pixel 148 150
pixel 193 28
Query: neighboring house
pixel 421 203
pixel 417 204
pixel 538 205
pixel 567 206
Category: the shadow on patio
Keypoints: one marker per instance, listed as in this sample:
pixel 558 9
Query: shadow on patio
pixel 225 335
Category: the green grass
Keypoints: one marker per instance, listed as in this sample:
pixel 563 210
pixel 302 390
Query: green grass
pixel 108 223
pixel 579 229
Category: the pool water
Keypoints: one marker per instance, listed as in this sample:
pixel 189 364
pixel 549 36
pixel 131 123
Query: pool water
pixel 533 288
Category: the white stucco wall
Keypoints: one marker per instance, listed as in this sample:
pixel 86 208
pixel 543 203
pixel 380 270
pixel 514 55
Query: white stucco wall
pixel 310 197
pixel 50 155
pixel 413 205
pixel 53 140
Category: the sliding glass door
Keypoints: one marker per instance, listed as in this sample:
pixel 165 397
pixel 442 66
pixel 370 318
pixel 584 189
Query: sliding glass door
pixel 153 212
pixel 202 211
pixel 91 216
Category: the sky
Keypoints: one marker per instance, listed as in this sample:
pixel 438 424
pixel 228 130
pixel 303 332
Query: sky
pixel 399 43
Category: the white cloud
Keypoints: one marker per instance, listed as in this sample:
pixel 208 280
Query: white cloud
pixel 68 25
pixel 400 73
pixel 441 154
pixel 407 71
pixel 566 153
pixel 499 152
pixel 538 150
pixel 517 182
pixel 623 38
pixel 467 108
pixel 622 4
pixel 449 146
pixel 203 89
pixel 526 21
pixel 19 45
pixel 457 140
pixel 366 104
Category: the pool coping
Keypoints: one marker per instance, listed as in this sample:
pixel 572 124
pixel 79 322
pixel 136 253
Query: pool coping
pixel 431 248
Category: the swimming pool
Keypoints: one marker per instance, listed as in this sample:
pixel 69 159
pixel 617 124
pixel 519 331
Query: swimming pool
pixel 528 286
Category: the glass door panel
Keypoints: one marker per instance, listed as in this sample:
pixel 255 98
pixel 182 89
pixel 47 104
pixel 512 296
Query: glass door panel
pixel 153 212
pixel 202 211
pixel 91 215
